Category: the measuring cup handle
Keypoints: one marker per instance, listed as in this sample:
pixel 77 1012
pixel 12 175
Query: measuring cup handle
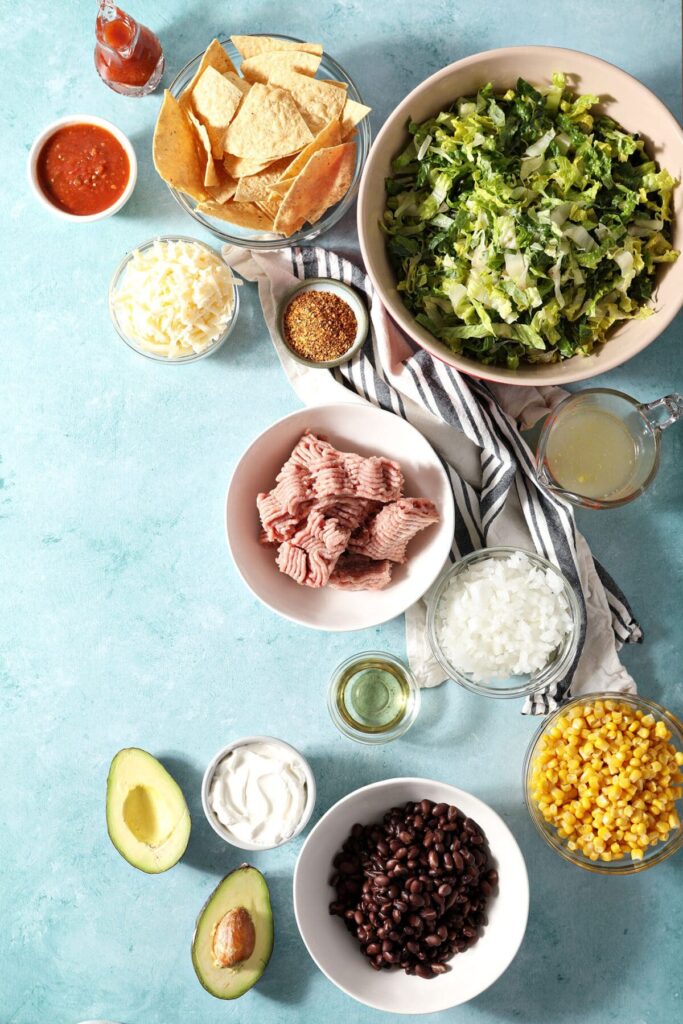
pixel 665 411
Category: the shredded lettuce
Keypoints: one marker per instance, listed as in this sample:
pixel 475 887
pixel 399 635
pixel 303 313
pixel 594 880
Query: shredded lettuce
pixel 523 226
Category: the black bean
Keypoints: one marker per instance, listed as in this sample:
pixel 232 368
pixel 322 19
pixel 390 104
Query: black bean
pixel 424 971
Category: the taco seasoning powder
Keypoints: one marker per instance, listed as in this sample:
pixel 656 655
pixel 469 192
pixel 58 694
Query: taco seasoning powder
pixel 319 326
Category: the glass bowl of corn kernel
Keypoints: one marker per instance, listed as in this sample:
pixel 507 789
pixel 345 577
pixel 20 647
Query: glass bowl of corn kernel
pixel 602 782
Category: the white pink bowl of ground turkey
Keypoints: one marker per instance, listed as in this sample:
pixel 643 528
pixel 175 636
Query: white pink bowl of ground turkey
pixel 339 517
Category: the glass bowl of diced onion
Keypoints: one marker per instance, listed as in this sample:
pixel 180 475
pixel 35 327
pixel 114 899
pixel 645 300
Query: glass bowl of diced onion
pixel 618 827
pixel 491 683
pixel 201 349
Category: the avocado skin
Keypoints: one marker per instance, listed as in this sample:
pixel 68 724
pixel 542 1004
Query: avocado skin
pixel 226 896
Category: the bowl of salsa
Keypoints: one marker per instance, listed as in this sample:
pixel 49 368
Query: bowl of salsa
pixel 83 168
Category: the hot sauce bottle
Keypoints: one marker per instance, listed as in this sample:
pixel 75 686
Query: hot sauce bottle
pixel 128 57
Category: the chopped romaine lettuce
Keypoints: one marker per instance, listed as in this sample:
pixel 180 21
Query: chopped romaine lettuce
pixel 523 226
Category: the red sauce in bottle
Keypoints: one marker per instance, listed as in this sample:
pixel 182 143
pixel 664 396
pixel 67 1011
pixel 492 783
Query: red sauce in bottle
pixel 128 56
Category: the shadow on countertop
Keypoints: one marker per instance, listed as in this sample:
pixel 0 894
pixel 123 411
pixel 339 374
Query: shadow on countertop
pixel 581 925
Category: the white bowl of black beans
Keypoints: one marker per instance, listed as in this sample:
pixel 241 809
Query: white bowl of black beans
pixel 411 895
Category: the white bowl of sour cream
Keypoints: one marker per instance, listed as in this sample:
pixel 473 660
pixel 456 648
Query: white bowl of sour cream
pixel 258 793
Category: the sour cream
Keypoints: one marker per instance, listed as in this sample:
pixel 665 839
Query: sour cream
pixel 258 793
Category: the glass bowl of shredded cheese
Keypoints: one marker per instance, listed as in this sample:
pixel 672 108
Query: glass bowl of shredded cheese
pixel 504 622
pixel 602 782
pixel 173 299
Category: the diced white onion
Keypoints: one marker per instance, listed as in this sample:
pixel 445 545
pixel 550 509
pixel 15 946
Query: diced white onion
pixel 502 617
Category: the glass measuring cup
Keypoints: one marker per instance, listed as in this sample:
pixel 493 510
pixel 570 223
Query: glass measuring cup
pixel 600 448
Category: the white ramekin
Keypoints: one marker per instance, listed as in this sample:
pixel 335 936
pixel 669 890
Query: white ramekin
pixel 100 123
pixel 220 829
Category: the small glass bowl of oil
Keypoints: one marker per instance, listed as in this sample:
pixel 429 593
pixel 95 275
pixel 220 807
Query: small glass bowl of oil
pixel 373 697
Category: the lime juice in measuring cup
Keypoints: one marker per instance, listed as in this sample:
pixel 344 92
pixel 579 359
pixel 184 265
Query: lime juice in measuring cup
pixel 599 448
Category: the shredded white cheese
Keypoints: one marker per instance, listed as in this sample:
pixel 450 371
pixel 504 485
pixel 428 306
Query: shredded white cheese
pixel 175 299
pixel 502 617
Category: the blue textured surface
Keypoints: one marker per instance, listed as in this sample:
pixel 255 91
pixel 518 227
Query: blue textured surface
pixel 123 621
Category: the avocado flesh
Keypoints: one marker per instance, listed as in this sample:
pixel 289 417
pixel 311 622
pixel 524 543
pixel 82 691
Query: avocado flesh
pixel 245 887
pixel 147 816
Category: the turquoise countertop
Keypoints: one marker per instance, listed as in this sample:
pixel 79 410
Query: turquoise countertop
pixel 123 620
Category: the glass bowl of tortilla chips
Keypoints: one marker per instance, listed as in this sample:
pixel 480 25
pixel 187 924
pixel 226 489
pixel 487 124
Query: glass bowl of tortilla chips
pixel 262 140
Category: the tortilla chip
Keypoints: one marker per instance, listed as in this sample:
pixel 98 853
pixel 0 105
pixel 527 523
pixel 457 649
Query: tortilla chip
pixel 255 188
pixel 270 209
pixel 215 100
pixel 210 173
pixel 214 57
pixel 244 215
pixel 251 46
pixel 226 187
pixel 318 102
pixel 329 136
pixel 174 150
pixel 323 182
pixel 261 67
pixel 243 167
pixel 352 114
pixel 333 81
pixel 237 81
pixel 267 125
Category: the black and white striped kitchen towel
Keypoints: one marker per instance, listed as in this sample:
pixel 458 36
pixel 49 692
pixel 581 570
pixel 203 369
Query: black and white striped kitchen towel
pixel 490 467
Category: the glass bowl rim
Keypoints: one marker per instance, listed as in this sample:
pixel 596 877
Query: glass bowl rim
pixel 331 216
pixel 368 738
pixel 547 676
pixel 624 866
pixel 117 276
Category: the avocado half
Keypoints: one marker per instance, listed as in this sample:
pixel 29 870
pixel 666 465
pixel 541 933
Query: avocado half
pixel 233 938
pixel 147 816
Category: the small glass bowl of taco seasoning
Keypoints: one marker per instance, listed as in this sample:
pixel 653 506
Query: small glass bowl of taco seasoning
pixel 373 697
pixel 322 323
pixel 82 168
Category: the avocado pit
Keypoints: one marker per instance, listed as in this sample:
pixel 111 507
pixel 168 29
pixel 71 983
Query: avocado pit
pixel 234 938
